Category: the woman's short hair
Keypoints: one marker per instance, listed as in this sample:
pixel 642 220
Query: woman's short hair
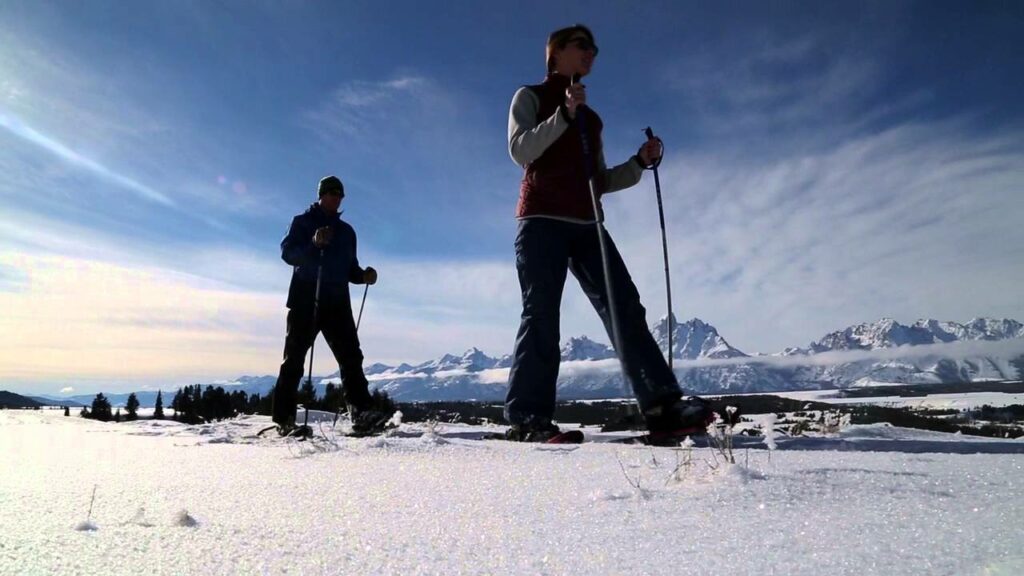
pixel 559 38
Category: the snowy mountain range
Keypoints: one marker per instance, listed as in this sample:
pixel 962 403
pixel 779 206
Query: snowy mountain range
pixel 709 364
pixel 927 351
pixel 887 333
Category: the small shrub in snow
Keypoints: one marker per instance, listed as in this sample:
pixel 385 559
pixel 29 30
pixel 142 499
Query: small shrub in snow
pixel 833 421
pixel 185 520
pixel 396 420
pixel 720 433
pixel 86 526
pixel 432 433
pixel 683 463
pixel 641 492
pixel 139 519
pixel 799 428
pixel 769 431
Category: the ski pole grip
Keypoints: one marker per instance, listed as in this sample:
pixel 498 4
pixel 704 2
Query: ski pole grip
pixel 650 136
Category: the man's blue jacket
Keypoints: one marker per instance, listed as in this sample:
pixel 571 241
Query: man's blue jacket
pixel 340 265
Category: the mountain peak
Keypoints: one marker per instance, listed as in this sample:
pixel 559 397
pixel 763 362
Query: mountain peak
pixel 583 348
pixel 693 339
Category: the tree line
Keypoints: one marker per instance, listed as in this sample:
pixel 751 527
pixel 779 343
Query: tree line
pixel 101 409
pixel 191 405
pixel 196 405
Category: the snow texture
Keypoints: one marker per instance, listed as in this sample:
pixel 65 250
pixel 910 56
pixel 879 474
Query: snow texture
pixel 213 499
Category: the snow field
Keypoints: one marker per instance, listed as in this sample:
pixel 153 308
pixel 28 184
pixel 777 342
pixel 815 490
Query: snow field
pixel 965 401
pixel 447 505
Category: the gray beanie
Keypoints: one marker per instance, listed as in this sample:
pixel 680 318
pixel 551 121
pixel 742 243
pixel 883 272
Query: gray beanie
pixel 330 184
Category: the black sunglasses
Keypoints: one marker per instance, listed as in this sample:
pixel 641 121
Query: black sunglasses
pixel 583 44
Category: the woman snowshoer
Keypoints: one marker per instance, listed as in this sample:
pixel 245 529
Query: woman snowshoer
pixel 557 233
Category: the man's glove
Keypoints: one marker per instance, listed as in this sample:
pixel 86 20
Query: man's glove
pixel 369 275
pixel 323 236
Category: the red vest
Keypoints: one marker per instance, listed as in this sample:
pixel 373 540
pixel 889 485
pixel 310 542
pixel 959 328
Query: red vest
pixel 556 183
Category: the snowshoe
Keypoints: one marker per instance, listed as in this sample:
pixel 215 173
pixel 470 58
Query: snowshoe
pixel 624 423
pixel 682 416
pixel 368 422
pixel 300 432
pixel 544 433
pixel 674 438
pixel 670 424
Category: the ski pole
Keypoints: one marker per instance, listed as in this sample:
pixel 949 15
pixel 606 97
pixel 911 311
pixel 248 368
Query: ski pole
pixel 312 346
pixel 613 315
pixel 366 289
pixel 664 240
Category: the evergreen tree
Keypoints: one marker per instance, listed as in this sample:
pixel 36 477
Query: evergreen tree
pixel 221 404
pixel 197 404
pixel 224 407
pixel 206 404
pixel 239 401
pixel 158 410
pixel 132 406
pixel 67 411
pixel 256 403
pixel 307 395
pixel 117 415
pixel 265 405
pixel 176 403
pixel 380 401
pixel 188 405
pixel 332 400
pixel 216 404
pixel 101 408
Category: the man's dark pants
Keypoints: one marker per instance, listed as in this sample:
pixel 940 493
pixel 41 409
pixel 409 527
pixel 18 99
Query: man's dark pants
pixel 545 250
pixel 339 331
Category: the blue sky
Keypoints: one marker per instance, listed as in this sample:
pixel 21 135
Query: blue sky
pixel 828 163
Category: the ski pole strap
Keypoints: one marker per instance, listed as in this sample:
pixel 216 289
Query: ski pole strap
pixel 650 134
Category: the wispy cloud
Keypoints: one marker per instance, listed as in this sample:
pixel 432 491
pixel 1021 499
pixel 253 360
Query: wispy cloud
pixel 429 122
pixel 920 220
pixel 130 323
pixel 74 122
pixel 366 109
pixel 420 310
pixel 29 134
pixel 381 95
pixel 435 177
pixel 31 234
pixel 780 94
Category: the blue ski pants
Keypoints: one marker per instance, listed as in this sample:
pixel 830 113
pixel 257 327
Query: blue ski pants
pixel 545 250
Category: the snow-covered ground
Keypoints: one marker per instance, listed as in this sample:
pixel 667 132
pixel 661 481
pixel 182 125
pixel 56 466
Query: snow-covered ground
pixel 965 401
pixel 175 499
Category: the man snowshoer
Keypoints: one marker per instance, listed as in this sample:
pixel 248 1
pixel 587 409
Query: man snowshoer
pixel 557 233
pixel 320 243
